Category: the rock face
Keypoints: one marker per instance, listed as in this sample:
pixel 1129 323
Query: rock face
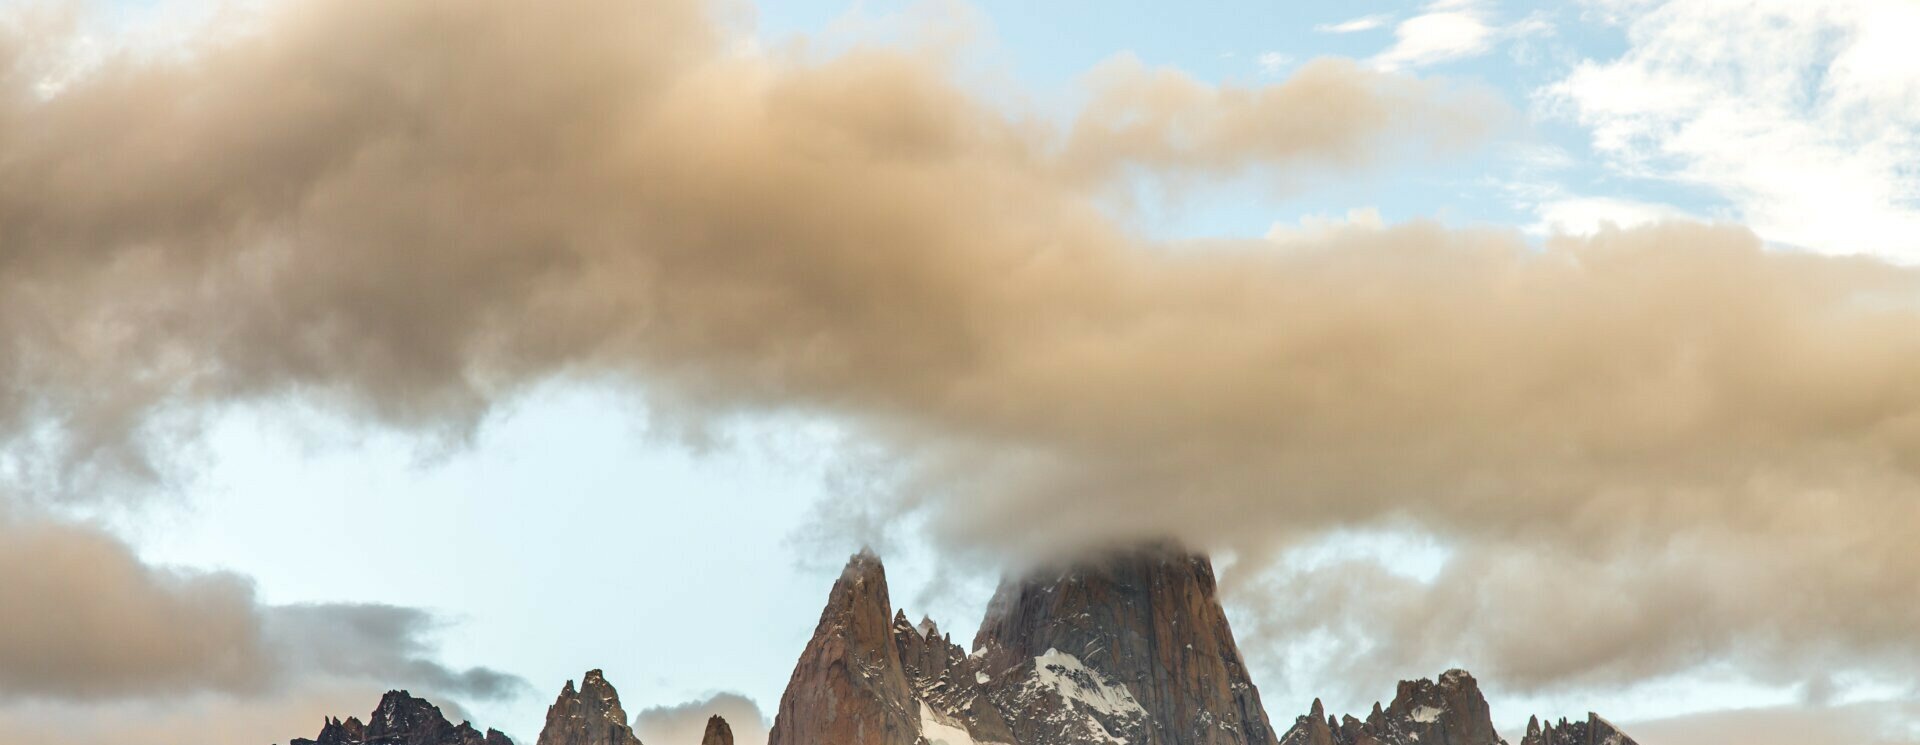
pixel 1130 646
pixel 718 732
pixel 1594 731
pixel 849 687
pixel 1130 649
pixel 589 716
pixel 402 719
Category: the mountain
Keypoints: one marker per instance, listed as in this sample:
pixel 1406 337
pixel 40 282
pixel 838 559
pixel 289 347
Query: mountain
pixel 589 716
pixel 849 687
pixel 1130 648
pixel 1128 645
pixel 1594 731
pixel 401 719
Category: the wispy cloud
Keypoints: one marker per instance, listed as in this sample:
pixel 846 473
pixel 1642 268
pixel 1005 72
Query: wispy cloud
pixel 1450 30
pixel 1356 25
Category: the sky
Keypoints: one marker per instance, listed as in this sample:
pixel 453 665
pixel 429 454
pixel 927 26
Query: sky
pixel 350 345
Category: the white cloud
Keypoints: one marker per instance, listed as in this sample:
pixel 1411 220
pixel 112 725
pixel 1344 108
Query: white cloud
pixel 1274 63
pixel 1805 116
pixel 1356 25
pixel 1450 30
pixel 1589 215
pixel 1438 36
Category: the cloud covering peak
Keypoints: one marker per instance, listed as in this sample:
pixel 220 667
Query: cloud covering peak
pixel 410 212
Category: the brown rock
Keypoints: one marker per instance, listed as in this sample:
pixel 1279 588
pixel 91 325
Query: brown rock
pixel 1594 731
pixel 718 732
pixel 1144 619
pixel 589 716
pixel 849 687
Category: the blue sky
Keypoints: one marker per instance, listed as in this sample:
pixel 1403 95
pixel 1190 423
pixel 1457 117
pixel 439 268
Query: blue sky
pixel 571 533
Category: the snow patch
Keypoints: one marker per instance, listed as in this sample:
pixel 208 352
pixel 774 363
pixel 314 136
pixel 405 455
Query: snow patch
pixel 936 730
pixel 1076 683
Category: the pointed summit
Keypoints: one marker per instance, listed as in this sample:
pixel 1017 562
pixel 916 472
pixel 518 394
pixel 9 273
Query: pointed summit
pixel 848 687
pixel 588 716
pixel 718 732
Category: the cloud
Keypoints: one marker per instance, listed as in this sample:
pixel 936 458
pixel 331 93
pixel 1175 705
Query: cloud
pixel 1867 723
pixel 1355 25
pixel 407 213
pixel 329 206
pixel 1273 63
pixel 191 719
pixel 86 627
pixel 1444 32
pixel 1589 215
pixel 684 724
pixel 1451 30
pixel 81 617
pixel 1799 114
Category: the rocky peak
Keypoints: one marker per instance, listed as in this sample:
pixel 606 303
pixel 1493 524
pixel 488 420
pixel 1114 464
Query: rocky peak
pixel 718 732
pixel 1449 711
pixel 849 687
pixel 1594 731
pixel 589 715
pixel 402 719
pixel 1133 643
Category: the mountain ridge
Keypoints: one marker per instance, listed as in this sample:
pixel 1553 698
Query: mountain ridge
pixel 1125 647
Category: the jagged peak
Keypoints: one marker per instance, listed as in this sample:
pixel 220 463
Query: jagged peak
pixel 718 732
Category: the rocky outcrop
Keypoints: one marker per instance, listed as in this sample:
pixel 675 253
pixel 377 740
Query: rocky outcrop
pixel 1130 646
pixel 948 686
pixel 1594 731
pixel 849 687
pixel 402 719
pixel 718 732
pixel 588 716
pixel 1450 711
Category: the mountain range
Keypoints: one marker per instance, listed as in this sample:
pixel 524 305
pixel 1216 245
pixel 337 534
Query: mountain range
pixel 1130 647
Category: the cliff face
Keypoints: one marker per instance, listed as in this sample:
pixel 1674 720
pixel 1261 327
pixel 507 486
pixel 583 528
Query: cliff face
pixel 1134 640
pixel 588 716
pixel 849 687
pixel 401 719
